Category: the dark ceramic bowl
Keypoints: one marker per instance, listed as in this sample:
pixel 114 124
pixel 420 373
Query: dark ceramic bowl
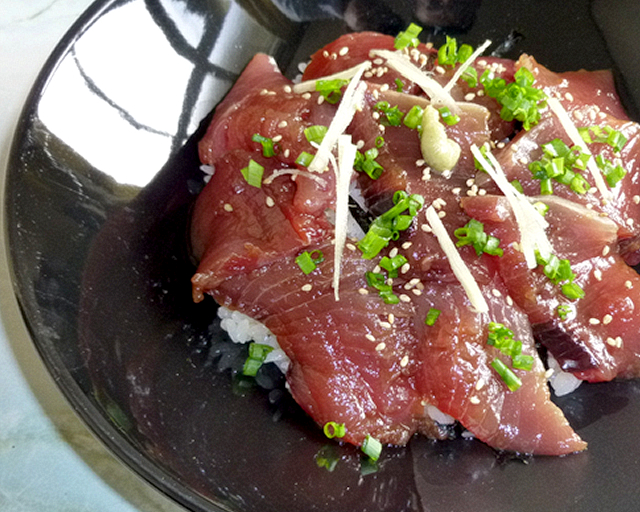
pixel 99 188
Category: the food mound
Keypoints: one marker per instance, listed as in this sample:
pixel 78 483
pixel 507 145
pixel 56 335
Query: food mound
pixel 498 211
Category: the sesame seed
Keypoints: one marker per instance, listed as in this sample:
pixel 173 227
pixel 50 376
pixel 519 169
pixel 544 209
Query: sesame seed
pixel 578 115
pixel 376 115
pixel 343 51
pixel 628 285
pixel 282 124
pixel 470 96
pixel 569 96
pixel 306 95
pixel 594 321
pixel 629 222
pixel 391 318
pixel 378 61
pixel 500 145
pixel 404 361
pixel 376 269
pixel 286 153
pixel 509 300
pixel 393 252
pixel 360 144
pixel 474 400
pixel 277 138
pixel 320 100
pixel 606 250
pixel 514 148
pixel 381 128
pixel 456 190
pixel 416 292
pixel 376 94
pixel 482 192
pixel 480 384
pixel 384 87
pixel 370 337
pixel 440 70
pixel 405 298
pixel 264 92
pixel 480 93
pixel 618 342
pixel 288 89
pixel 592 115
pixel 381 346
pixel 523 161
pixel 607 319
pixel 548 374
pixel 406 245
pixel 420 286
pixel 368 74
pixel 325 53
pixel 426 228
pixel 611 342
pixel 270 202
pixel 385 325
pixel 307 287
pixel 405 268
pixel 496 293
pixel 227 207
pixel 597 273
pixel 442 214
pixel 363 291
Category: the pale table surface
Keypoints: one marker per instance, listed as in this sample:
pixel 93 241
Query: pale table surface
pixel 49 461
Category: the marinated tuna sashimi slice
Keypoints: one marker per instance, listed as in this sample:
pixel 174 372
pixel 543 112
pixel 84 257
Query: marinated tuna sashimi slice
pixel 352 361
pixel 595 337
pixel 457 376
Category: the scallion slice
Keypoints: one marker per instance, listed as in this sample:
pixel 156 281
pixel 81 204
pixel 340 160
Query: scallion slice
pixel 257 354
pixel 315 133
pixel 448 117
pixel 304 159
pixel 506 374
pixel 331 90
pixel 253 173
pixel 408 37
pixel 432 316
pixel 371 447
pixel 268 146
pixel 332 429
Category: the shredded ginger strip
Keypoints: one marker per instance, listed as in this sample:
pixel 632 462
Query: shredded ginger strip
pixel 531 224
pixel 460 269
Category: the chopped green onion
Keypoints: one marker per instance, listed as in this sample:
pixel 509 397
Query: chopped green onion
pixel 473 234
pixel 559 273
pixel 253 173
pixel 379 282
pixel 506 374
pixel 308 261
pixel 522 362
pixel 331 89
pixel 484 150
pixel 391 265
pixel 413 119
pixel 448 52
pixel 612 173
pixel 432 316
pixel 517 185
pixel 470 75
pixel 564 310
pixel 257 354
pixel 519 99
pixel 332 429
pixel 557 163
pixel 408 37
pixel 371 447
pixel 606 135
pixel 304 159
pixel 541 207
pixel 386 227
pixel 367 163
pixel 268 146
pixel 448 117
pixel 399 85
pixel 379 141
pixel 315 133
pixel 392 115
pixel 368 466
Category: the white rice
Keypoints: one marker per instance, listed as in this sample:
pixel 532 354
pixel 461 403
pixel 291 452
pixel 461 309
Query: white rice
pixel 562 382
pixel 244 329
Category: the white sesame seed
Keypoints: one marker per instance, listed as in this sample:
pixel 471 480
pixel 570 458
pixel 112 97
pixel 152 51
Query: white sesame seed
pixel 405 298
pixel 480 384
pixel 628 285
pixel 351 247
pixel 509 300
pixel 227 207
pixel 426 228
pixel 597 273
pixel 578 115
pixel 456 190
pixel 594 321
pixel 264 92
pixel 474 400
pixel 270 202
pixel 385 325
pixel 391 318
pixel 611 342
pixel 405 268
pixel 378 61
pixel 343 51
pixel 381 128
pixel 470 96
pixel 496 293
pixel 282 124
pixel 368 74
pixel 363 291
pixel 360 144
pixel 406 245
pixel 393 252
pixel 376 115
pixel 548 374
pixel 500 145
pixel 286 153
pixel 442 214
pixel 606 250
pixel 404 361
pixel 618 342
pixel 440 70
pixel 376 269
pixel 592 115
pixel 376 94
pixel 320 100
pixel 325 53
pixel 482 192
pixel 306 95
pixel 607 319
pixel 370 337
pixel 630 222
pixel 416 292
pixel 569 96
pixel 381 346
pixel 307 287
pixel 384 87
